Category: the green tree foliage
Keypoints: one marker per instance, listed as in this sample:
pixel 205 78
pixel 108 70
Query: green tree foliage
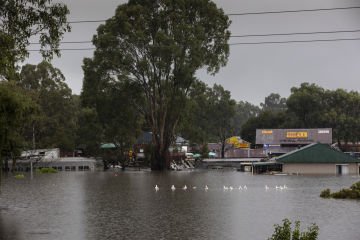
pixel 194 125
pixel 306 102
pixel 159 45
pixel 274 102
pixel 210 116
pixel 311 106
pixel 89 131
pixel 267 119
pixel 19 21
pixel 221 112
pixel 341 112
pixel 113 105
pixel 284 232
pixel 54 125
pixel 243 112
pixel 15 108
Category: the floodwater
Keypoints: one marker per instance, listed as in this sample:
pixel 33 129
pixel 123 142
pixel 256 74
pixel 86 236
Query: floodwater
pixel 105 205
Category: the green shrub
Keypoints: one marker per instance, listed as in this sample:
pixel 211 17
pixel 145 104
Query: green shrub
pixel 325 193
pixel 285 232
pixel 19 176
pixel 48 170
pixel 346 193
pixel 355 186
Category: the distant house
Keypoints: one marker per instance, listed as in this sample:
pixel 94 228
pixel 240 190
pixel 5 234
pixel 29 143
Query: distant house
pixel 318 158
pixel 145 140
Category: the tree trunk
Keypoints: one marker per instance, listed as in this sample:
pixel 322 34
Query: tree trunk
pixel 6 165
pixel 159 159
pixel 13 165
pixel 1 166
pixel 223 149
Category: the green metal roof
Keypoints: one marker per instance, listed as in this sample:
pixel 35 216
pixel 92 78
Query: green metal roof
pixel 316 153
pixel 107 146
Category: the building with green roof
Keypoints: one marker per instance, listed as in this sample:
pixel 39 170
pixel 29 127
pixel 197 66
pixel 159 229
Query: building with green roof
pixel 318 158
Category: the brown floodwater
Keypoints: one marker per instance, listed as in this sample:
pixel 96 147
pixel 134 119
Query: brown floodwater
pixel 125 205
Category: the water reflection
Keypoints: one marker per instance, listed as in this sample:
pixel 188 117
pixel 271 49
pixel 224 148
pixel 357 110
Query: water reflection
pixel 102 205
pixel 130 207
pixel 8 228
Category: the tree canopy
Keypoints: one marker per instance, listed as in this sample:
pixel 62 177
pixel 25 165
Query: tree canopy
pixel 159 45
pixel 21 20
pixel 15 107
pixel 311 106
pixel 54 122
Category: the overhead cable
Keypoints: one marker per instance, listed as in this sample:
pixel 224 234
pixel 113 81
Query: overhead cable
pixel 248 13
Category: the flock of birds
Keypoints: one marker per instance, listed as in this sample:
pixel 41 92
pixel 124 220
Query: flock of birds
pixel 226 188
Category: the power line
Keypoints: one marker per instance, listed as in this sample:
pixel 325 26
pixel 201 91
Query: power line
pixel 86 21
pixel 247 13
pixel 295 33
pixel 240 43
pixel 296 41
pixel 242 36
pixel 65 49
pixel 65 42
pixel 293 11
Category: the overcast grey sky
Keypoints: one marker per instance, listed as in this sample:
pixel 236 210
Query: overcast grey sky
pixel 253 71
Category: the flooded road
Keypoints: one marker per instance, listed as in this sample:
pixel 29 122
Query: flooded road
pixel 105 205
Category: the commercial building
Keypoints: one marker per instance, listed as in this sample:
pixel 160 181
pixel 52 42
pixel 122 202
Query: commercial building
pixel 276 142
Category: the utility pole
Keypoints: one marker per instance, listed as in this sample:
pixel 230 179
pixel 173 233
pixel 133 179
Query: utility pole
pixel 33 143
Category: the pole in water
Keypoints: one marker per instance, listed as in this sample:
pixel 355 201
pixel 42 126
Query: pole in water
pixel 31 169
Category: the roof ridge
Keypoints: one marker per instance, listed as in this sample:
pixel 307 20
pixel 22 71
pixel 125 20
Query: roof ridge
pixel 297 150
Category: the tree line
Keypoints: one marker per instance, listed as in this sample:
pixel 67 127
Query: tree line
pixel 311 106
pixel 142 77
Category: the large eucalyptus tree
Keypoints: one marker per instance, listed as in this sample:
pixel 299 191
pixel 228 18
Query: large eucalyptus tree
pixel 159 45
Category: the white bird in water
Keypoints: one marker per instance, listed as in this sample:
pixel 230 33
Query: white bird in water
pixel 245 187
pixel 277 187
pixel 173 188
pixel 266 187
pixel 156 188
pixel 206 188
pixel 281 188
pixel 226 188
pixel 185 187
pixel 194 187
pixel 240 187
pixel 231 188
pixel 285 187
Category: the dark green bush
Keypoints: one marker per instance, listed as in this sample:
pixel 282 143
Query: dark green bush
pixel 285 232
pixel 355 186
pixel 346 193
pixel 325 193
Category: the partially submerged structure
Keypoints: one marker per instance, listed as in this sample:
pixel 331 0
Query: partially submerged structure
pixel 318 158
pixel 50 158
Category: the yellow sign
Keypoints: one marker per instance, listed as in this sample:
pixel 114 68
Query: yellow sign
pixel 267 132
pixel 296 135
pixel 238 143
pixel 243 145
